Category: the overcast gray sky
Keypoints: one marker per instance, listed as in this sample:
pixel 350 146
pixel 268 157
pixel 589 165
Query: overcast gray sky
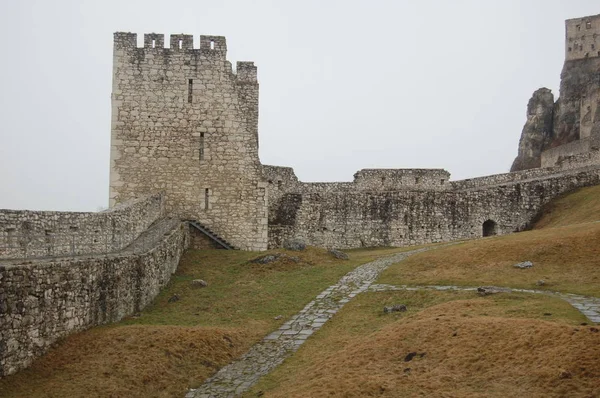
pixel 344 85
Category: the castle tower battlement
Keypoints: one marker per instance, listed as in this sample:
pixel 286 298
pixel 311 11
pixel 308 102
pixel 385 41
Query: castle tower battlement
pixel 582 37
pixel 185 124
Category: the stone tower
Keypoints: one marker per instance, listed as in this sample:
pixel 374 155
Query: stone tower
pixel 185 124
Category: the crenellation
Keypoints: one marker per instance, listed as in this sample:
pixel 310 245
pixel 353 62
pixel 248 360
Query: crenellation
pixel 181 42
pixel 246 72
pixel 213 45
pixel 154 41
pixel 125 40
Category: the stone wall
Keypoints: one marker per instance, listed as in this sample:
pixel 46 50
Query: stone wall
pixel 184 123
pixel 27 234
pixel 399 179
pixel 42 301
pixel 552 156
pixel 342 216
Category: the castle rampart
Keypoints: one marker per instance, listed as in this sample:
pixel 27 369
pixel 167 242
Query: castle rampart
pixel 348 215
pixel 29 234
pixel 44 300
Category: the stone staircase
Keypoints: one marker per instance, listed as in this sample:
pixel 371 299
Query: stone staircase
pixel 211 235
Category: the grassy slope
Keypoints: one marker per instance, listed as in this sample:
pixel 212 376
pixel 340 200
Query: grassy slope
pixel 503 345
pixel 496 346
pixel 581 206
pixel 172 346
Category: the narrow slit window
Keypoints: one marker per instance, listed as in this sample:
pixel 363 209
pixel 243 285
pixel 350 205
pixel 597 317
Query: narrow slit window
pixel 578 27
pixel 180 44
pixel 201 151
pixel 10 236
pixel 206 198
pixel 212 44
pixel 588 25
pixel 190 88
pixel 153 43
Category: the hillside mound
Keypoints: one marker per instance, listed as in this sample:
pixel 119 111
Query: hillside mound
pixel 578 207
pixel 157 361
pixel 441 352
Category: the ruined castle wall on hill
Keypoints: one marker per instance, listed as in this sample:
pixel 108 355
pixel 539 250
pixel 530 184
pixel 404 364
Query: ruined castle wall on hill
pixel 348 218
pixel 44 300
pixel 185 124
pixel 28 234
pixel 582 38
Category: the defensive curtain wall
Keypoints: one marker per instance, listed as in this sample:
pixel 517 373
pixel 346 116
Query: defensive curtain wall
pixel 76 279
pixel 27 234
pixel 410 207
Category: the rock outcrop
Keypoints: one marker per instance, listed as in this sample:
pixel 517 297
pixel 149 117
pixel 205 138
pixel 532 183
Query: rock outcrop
pixel 537 130
pixel 574 116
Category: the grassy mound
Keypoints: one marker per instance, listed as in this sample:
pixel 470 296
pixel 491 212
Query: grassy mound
pixel 563 247
pixel 131 361
pixel 566 258
pixel 447 345
pixel 581 206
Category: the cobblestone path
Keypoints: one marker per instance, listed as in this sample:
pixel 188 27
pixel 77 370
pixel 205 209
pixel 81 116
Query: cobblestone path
pixel 264 356
pixel 588 306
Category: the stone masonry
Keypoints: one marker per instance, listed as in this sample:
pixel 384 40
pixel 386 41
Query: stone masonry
pixel 32 234
pixel 185 124
pixel 364 214
pixel 44 300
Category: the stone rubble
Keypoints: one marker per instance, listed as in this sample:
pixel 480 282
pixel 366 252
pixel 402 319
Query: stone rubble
pixel 524 265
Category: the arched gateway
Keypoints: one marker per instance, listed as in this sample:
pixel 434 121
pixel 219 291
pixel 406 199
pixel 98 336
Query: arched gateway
pixel 490 228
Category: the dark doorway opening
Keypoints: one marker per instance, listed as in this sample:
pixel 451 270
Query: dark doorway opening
pixel 490 228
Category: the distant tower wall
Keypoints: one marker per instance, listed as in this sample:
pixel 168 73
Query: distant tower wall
pixel 582 38
pixel 185 124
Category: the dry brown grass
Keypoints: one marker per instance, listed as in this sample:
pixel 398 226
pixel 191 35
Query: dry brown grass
pixel 567 258
pixel 473 347
pixel 131 361
pixel 581 206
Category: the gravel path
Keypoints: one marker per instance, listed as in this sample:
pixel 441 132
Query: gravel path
pixel 588 306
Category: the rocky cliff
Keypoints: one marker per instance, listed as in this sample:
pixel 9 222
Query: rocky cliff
pixel 574 116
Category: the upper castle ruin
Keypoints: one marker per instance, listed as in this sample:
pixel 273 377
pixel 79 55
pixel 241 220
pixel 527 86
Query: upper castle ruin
pixel 184 170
